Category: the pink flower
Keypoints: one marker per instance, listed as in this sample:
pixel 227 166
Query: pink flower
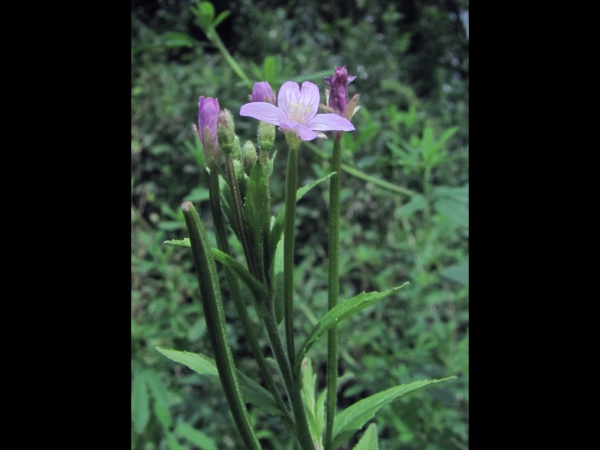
pixel 297 112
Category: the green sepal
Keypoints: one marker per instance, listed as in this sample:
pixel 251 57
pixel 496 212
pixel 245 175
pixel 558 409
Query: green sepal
pixel 253 392
pixel 356 415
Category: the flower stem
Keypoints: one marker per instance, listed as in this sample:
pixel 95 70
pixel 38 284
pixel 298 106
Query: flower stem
pixel 291 183
pixel 303 432
pixel 223 244
pixel 208 282
pixel 333 291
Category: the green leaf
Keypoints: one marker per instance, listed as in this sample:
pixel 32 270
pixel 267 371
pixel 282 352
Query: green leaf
pixel 355 416
pixel 277 228
pixel 257 289
pixel 163 415
pixel 195 437
pixel 220 18
pixel 185 242
pixel 140 402
pixel 316 422
pixel 198 194
pixel 253 392
pixel 170 225
pixel 173 443
pixel 369 440
pixel 270 69
pixel 416 203
pixel 339 313
pixel 458 273
pixel 174 39
pixel 158 389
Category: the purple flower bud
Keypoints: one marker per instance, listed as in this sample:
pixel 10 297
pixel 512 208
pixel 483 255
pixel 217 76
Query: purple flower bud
pixel 261 92
pixel 338 98
pixel 208 114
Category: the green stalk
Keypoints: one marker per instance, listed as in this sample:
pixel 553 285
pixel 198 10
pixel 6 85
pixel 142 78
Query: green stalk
pixel 303 432
pixel 208 282
pixel 333 291
pixel 223 244
pixel 291 184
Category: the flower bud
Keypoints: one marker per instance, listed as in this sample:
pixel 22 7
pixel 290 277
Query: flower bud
pixel 225 131
pixel 208 113
pixel 261 92
pixel 250 156
pixel 337 98
pixel 266 136
pixel 236 153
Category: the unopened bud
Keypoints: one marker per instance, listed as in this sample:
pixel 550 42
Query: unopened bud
pixel 225 131
pixel 250 156
pixel 266 136
pixel 236 153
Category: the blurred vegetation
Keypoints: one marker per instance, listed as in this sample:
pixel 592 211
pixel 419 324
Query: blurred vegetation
pixel 411 63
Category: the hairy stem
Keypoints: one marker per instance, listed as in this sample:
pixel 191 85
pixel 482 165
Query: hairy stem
pixel 208 282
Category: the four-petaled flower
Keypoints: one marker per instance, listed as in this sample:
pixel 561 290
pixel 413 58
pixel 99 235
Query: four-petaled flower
pixel 297 112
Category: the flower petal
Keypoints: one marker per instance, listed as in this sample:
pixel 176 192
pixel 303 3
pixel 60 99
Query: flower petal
pixel 310 97
pixel 328 122
pixel 262 111
pixel 289 93
pixel 305 133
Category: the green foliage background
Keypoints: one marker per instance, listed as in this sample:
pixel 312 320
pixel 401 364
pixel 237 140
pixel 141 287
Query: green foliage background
pixel 411 63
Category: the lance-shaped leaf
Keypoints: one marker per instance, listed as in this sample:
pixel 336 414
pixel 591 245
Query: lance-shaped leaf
pixel 277 228
pixel 369 440
pixel 338 313
pixel 253 392
pixel 257 289
pixel 355 416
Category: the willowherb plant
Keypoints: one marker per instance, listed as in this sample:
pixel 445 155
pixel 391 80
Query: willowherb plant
pixel 245 201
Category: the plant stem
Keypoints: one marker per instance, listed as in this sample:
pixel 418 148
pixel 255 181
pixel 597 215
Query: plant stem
pixel 303 432
pixel 291 184
pixel 223 244
pixel 208 282
pixel 333 291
